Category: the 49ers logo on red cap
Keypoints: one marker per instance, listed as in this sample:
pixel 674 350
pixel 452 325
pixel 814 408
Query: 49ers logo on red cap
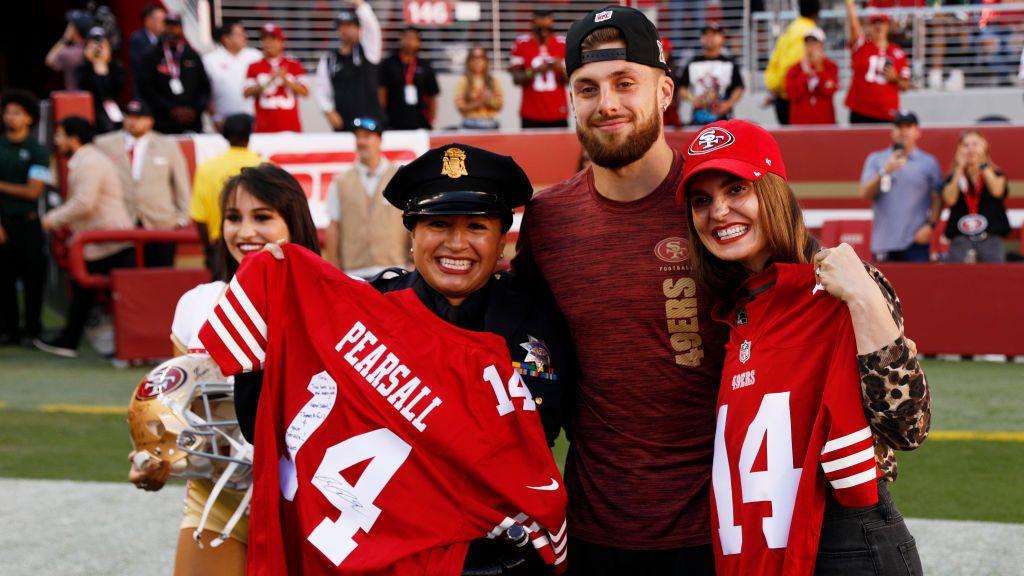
pixel 709 140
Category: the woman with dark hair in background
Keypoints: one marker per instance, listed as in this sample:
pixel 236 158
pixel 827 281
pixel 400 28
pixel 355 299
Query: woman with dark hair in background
pixel 261 205
pixel 478 93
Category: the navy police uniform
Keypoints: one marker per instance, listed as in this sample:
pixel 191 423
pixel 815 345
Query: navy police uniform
pixel 464 180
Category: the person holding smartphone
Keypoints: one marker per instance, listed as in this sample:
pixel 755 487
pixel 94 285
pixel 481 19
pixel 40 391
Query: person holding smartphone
pixel 903 184
pixel 881 70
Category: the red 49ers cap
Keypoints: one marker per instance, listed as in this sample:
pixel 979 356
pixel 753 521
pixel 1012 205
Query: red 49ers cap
pixel 271 29
pixel 738 147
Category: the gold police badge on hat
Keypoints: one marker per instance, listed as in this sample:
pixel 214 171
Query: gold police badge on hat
pixel 453 165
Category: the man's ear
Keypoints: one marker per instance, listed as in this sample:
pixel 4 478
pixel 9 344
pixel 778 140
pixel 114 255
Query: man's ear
pixel 666 89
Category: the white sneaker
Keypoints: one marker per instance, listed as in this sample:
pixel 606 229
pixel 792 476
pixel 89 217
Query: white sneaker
pixel 935 79
pixel 55 349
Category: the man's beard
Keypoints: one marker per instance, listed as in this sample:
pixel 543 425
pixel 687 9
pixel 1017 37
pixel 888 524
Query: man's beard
pixel 614 154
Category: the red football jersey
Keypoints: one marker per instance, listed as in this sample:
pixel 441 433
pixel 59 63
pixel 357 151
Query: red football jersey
pixel 386 438
pixel 544 95
pixel 277 107
pixel 870 93
pixel 810 95
pixel 790 425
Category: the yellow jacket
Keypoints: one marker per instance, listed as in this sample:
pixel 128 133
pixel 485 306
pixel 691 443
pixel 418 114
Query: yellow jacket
pixel 789 49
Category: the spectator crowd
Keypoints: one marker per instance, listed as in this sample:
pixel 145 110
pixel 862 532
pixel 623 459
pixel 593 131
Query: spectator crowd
pixel 123 161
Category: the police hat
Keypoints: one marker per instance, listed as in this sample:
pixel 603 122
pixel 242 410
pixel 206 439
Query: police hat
pixel 456 179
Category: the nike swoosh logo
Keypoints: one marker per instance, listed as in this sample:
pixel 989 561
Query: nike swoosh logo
pixel 549 487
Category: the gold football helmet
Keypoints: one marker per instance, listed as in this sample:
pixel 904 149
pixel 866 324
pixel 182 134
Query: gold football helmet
pixel 183 413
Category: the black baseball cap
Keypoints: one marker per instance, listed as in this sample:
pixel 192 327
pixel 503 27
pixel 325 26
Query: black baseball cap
pixel 643 45
pixel 347 14
pixel 97 33
pixel 457 179
pixel 138 108
pixel 172 18
pixel 905 118
pixel 713 26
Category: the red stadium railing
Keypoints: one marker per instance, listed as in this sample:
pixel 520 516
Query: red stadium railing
pixel 139 237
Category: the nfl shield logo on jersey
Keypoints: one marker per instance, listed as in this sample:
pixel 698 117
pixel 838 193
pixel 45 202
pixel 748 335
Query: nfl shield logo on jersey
pixel 745 351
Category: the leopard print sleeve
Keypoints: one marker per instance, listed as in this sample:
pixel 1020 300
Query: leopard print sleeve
pixel 897 400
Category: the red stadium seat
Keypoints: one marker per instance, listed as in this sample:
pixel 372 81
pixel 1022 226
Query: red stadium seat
pixel 856 233
pixel 144 302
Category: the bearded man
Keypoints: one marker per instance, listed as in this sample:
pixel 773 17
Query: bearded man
pixel 611 245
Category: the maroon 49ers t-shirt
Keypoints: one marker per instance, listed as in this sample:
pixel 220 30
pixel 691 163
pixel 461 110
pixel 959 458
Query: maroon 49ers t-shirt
pixel 650 359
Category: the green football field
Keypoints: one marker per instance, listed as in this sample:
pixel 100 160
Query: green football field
pixel 64 419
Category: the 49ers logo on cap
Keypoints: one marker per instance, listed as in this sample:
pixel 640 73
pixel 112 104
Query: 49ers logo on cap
pixel 709 140
pixel 161 381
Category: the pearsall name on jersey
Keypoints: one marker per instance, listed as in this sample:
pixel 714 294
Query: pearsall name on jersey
pixel 468 466
pixel 392 367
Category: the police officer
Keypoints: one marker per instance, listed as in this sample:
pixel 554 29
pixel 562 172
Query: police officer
pixel 458 202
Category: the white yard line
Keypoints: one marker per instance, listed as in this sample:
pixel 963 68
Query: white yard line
pixel 58 527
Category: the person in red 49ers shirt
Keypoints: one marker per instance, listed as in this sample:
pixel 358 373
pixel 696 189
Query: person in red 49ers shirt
pixel 791 436
pixel 811 82
pixel 538 65
pixel 880 70
pixel 276 82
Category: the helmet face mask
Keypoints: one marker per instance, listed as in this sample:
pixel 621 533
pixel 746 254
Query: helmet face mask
pixel 182 412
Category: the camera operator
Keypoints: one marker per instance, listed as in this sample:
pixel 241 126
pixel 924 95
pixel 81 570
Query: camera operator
pixel 68 52
pixel 104 77
pixel 903 183
pixel 975 193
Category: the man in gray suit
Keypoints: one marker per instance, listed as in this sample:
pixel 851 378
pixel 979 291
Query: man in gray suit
pixel 154 175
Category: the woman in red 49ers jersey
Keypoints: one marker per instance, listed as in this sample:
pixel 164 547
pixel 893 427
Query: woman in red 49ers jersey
pixel 795 480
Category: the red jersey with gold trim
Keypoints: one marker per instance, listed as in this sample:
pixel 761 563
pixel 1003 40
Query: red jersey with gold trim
pixel 790 425
pixel 870 93
pixel 387 439
pixel 277 106
pixel 544 95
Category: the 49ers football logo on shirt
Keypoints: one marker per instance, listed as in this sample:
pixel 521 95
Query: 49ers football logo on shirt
pixel 709 140
pixel 672 250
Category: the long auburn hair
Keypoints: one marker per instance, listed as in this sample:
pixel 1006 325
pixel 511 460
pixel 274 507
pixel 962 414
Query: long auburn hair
pixel 279 190
pixel 468 74
pixel 786 239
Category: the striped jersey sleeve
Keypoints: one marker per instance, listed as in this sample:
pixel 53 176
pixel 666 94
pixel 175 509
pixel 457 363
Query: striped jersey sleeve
pixel 848 456
pixel 518 483
pixel 235 333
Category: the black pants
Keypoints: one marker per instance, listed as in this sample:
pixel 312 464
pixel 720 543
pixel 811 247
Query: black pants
pixel 586 559
pixel 22 257
pixel 782 110
pixel 862 119
pixel 870 541
pixel 83 298
pixel 527 123
pixel 159 255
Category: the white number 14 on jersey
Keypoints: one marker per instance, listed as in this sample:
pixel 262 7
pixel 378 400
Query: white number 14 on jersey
pixel 777 484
